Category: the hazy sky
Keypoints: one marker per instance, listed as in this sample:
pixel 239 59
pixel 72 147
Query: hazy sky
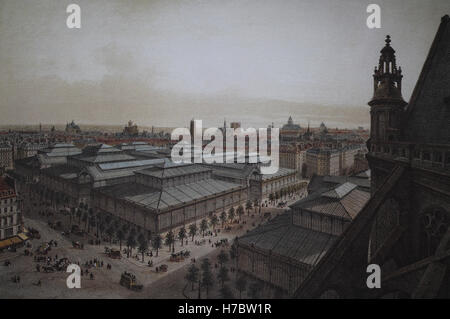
pixel 164 62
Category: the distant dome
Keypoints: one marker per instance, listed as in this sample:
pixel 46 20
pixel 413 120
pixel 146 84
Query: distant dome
pixel 290 126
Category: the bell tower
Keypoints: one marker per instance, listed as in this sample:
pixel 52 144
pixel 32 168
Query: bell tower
pixel 387 104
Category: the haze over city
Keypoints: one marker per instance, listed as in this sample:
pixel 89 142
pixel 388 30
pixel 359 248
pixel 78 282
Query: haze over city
pixel 162 63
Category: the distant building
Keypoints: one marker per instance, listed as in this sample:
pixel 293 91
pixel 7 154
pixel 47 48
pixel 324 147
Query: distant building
pixel 332 161
pixel 323 129
pixel 25 150
pixel 10 223
pixel 235 125
pixel 131 129
pixel 71 128
pixel 290 131
pixel 6 157
pixel 293 157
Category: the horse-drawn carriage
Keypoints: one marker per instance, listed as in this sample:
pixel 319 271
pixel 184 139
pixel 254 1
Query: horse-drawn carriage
pixel 43 249
pixel 180 256
pixel 34 233
pixel 221 243
pixel 162 268
pixel 77 244
pixel 113 253
pixel 48 269
pixel 129 281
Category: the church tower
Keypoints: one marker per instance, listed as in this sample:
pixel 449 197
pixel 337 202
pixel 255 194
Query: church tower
pixel 387 104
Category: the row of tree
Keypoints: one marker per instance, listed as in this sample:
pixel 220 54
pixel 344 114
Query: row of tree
pixel 204 278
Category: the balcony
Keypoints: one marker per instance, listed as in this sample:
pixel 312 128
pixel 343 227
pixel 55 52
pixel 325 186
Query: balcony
pixel 434 156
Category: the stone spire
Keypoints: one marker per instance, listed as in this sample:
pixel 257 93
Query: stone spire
pixel 387 104
pixel 387 77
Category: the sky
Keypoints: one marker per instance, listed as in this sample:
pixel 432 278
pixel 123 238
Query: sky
pixel 164 62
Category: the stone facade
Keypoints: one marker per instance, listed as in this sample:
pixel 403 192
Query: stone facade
pixel 6 157
pixel 9 215
pixel 332 161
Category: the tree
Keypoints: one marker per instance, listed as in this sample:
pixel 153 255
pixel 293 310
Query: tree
pixel 231 214
pixel 131 243
pixel 223 275
pixel 91 219
pixel 206 264
pixel 182 234
pixel 110 232
pixel 241 285
pixel 79 214
pixel 97 221
pixel 192 275
pixel 101 227
pixel 226 292
pixel 143 247
pixel 156 243
pixel 240 211
pixel 254 290
pixel 257 204
pixel 222 258
pixel 85 219
pixel 193 230
pixel 233 251
pixel 120 237
pixel 248 206
pixel 141 237
pixel 271 197
pixel 203 226
pixel 91 222
pixel 72 214
pixel 116 223
pixel 207 277
pixel 213 221
pixel 223 217
pixel 170 240
pixel 125 228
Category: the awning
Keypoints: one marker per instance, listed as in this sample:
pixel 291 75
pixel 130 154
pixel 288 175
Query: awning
pixel 10 241
pixel 22 236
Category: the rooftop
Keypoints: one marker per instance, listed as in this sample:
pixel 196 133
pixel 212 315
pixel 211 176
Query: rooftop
pixel 281 237
pixel 344 201
pixel 152 198
pixel 178 170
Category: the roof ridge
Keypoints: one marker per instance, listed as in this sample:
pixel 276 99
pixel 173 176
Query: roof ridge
pixel 426 67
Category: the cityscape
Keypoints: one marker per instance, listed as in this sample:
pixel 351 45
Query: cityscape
pixel 94 206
